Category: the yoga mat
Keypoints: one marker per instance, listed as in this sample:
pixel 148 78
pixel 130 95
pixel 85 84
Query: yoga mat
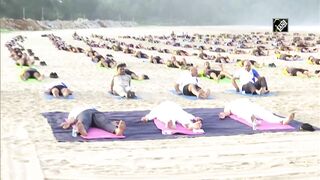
pixel 122 98
pixel 188 97
pixel 50 97
pixel 233 91
pixel 30 80
pixel 95 133
pixel 179 129
pixel 224 80
pixel 263 125
pixel 137 130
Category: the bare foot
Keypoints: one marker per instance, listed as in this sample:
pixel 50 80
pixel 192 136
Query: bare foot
pixel 81 129
pixel 254 122
pixel 144 119
pixel 289 118
pixel 170 125
pixel 121 127
pixel 65 125
pixel 196 125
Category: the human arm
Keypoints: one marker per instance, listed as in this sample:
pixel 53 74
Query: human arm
pixel 234 83
pixel 176 87
pixel 112 84
pixel 233 80
pixel 226 112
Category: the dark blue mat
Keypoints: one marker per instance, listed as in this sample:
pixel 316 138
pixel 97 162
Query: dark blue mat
pixel 137 130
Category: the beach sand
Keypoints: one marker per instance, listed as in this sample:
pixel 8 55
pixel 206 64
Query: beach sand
pixel 30 151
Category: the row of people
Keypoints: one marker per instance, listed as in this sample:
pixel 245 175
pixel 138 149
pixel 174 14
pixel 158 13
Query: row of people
pixel 169 113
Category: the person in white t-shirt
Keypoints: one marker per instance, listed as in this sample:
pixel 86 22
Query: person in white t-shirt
pixel 250 80
pixel 121 83
pixel 188 85
pixel 250 112
pixel 170 113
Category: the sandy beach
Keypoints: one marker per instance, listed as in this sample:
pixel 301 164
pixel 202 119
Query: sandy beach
pixel 30 151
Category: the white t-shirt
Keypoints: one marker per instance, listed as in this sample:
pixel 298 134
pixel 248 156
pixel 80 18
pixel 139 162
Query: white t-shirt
pixel 239 106
pixel 122 80
pixel 244 76
pixel 186 78
pixel 77 110
pixel 169 110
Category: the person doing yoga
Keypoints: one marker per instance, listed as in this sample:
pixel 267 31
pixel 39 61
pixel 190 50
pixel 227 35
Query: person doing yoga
pixel 82 118
pixel 171 113
pixel 250 112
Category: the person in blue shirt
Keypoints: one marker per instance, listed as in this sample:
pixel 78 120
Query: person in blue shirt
pixel 250 80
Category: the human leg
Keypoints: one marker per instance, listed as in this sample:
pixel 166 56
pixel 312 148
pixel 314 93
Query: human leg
pixel 268 116
pixel 249 88
pixel 65 92
pixel 84 121
pixel 25 76
pixel 101 121
pixel 120 91
pixel 54 92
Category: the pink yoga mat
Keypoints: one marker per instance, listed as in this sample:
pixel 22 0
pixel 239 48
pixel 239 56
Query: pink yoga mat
pixel 179 129
pixel 263 125
pixel 95 133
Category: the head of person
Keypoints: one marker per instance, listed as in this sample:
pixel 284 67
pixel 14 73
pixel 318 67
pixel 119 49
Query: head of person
pixel 207 64
pixel 121 68
pixel 222 115
pixel 247 65
pixel 194 71
pixel 310 58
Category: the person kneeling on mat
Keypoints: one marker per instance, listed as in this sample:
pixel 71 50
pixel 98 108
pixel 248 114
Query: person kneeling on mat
pixel 170 113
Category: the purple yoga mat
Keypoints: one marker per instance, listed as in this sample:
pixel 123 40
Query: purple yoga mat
pixel 263 125
pixel 179 129
pixel 95 133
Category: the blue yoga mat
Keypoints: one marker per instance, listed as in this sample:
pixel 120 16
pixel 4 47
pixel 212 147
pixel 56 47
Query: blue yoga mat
pixel 233 91
pixel 188 97
pixel 122 98
pixel 50 97
pixel 137 130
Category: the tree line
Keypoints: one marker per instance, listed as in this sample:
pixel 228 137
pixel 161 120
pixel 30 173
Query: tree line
pixel 167 12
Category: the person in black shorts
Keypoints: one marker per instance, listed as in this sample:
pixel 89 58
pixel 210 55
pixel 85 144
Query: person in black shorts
pixel 187 85
pixel 59 89
pixel 31 73
pixel 215 74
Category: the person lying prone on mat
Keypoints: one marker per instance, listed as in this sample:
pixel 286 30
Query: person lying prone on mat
pixel 58 89
pixel 170 113
pixel 31 73
pixel 297 72
pixel 187 85
pixel 250 80
pixel 249 111
pixel 85 117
